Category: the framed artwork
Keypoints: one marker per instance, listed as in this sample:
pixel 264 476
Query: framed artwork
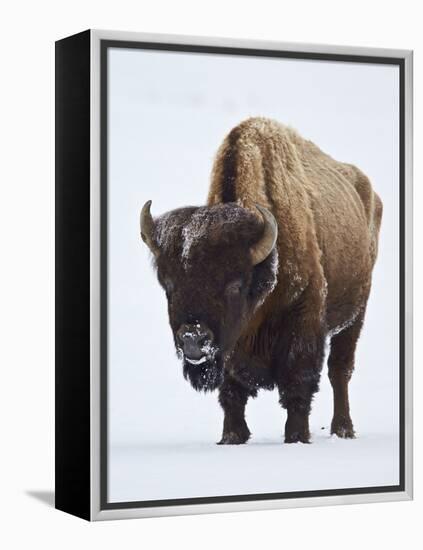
pixel 233 275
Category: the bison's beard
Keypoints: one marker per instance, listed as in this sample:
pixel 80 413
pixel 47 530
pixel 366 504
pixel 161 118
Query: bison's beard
pixel 205 377
pixel 204 374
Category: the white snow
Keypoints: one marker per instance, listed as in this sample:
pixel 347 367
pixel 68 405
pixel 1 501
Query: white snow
pixel 194 231
pixel 159 470
pixel 165 227
pixel 345 324
pixel 200 223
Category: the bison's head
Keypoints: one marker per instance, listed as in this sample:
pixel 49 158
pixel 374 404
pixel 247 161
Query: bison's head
pixel 216 264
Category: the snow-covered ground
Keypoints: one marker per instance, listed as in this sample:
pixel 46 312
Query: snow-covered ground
pixel 168 115
pixel 173 453
pixel 198 469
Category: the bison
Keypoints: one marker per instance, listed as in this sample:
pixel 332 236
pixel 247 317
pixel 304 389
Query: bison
pixel 276 264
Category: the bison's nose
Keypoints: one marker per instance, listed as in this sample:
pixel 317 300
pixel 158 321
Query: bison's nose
pixel 194 340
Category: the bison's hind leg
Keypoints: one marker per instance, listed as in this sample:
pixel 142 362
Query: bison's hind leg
pixel 340 369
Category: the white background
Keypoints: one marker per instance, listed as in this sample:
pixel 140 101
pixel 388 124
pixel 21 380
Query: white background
pixel 168 113
pixel 27 298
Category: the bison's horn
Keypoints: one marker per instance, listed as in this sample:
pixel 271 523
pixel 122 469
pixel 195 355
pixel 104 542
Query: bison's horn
pixel 264 247
pixel 147 227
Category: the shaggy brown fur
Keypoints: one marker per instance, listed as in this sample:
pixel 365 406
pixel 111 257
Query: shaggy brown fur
pixel 240 324
pixel 328 217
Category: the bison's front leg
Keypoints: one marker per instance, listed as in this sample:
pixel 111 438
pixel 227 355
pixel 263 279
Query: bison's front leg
pixel 298 381
pixel 233 397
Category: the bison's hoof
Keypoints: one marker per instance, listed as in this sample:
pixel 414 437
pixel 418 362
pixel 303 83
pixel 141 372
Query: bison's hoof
pixel 342 428
pixel 233 438
pixel 297 437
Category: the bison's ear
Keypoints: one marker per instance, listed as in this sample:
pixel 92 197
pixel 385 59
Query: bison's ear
pixel 147 228
pixel 260 251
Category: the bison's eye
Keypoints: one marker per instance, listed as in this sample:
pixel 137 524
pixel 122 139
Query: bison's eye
pixel 233 288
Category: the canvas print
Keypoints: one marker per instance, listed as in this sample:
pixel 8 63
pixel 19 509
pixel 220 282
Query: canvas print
pixel 252 276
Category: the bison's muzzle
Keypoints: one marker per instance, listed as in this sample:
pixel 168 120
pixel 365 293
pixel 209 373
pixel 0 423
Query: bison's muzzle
pixel 196 343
